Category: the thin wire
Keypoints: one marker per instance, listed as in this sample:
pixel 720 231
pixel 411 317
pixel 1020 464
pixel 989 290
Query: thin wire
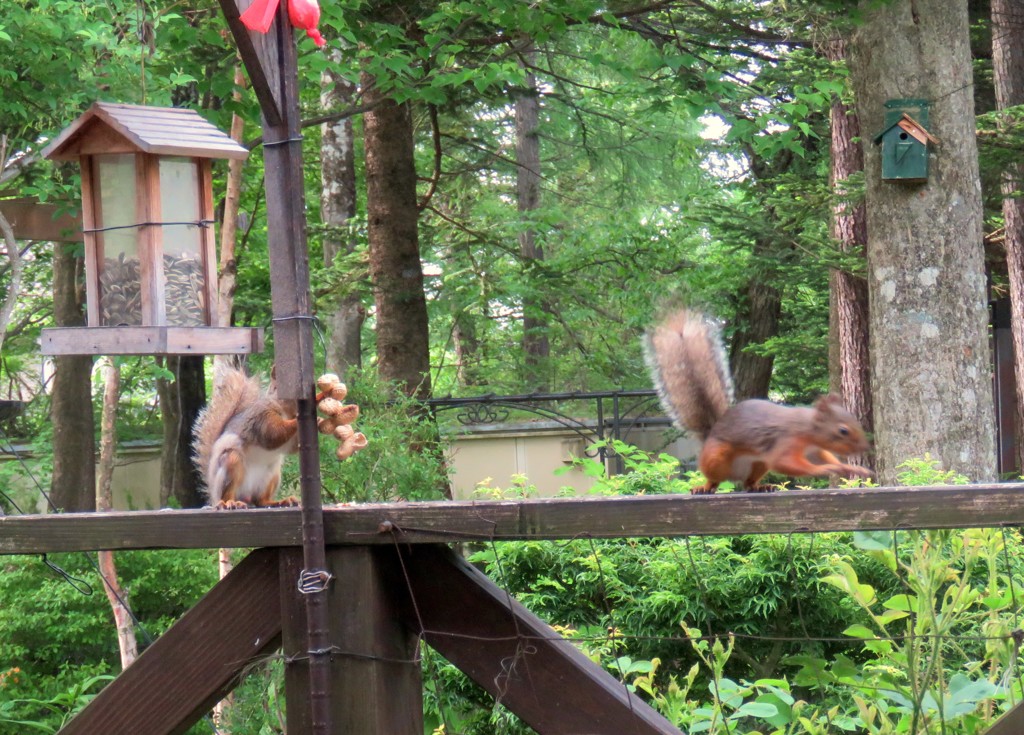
pixel 195 223
pixel 13 504
pixel 702 591
pixel 950 94
pixel 78 584
pixel 613 632
pixel 522 652
pixel 800 611
pixel 431 670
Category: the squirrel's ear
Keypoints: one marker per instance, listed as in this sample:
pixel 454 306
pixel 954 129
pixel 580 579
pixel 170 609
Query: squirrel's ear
pixel 828 402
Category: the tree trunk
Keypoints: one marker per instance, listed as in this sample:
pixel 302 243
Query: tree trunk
pixel 104 501
pixel 403 350
pixel 1008 72
pixel 848 291
pixel 759 307
pixel 758 317
pixel 73 484
pixel 536 347
pixel 930 365
pixel 338 206
pixel 181 400
pixel 467 348
pixel 227 273
pixel 16 270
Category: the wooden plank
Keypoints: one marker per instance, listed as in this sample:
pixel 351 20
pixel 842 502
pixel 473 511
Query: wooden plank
pixel 150 240
pixel 966 506
pixel 258 52
pixel 519 659
pixel 294 642
pixel 34 220
pixel 290 296
pixel 1011 723
pixel 376 683
pixel 91 221
pixel 151 340
pixel 208 242
pixel 197 661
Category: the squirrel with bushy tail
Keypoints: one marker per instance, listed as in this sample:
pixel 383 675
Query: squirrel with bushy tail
pixel 242 437
pixel 743 441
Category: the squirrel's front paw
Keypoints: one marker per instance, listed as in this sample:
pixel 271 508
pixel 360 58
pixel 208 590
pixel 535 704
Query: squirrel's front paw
pixel 852 471
pixel 290 502
pixel 231 505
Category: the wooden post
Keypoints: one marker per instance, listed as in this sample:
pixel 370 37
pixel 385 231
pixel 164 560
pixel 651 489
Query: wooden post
pixel 374 665
pixel 271 61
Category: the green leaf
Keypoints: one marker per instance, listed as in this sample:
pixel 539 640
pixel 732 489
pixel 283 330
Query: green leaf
pixel 859 631
pixel 783 709
pixel 764 710
pixel 873 540
pixel 906 603
pixel 965 695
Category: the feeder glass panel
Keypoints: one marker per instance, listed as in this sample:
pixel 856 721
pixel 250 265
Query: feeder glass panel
pixel 182 242
pixel 117 249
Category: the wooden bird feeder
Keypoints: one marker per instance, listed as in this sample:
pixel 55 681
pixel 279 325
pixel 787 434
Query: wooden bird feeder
pixel 147 216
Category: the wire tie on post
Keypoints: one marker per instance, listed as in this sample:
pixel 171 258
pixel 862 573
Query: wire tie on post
pixel 283 141
pixel 312 581
pixel 195 223
pixel 294 318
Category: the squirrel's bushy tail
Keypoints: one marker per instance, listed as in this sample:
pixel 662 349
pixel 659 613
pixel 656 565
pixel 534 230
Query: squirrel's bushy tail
pixel 234 391
pixel 688 366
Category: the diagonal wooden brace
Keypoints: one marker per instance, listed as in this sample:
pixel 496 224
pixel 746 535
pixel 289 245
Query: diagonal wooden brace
pixel 197 661
pixel 519 659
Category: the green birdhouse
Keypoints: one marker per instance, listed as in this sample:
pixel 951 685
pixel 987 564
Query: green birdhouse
pixel 905 141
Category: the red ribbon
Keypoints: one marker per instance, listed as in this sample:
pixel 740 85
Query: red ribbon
pixel 304 14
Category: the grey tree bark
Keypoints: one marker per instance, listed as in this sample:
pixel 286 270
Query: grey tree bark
pixel 931 374
pixel 536 345
pixel 346 314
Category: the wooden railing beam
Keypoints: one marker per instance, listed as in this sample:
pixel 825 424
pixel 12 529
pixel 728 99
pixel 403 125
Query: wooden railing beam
pixel 799 511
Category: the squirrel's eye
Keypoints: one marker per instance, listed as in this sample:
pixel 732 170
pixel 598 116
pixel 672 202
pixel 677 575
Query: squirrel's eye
pixel 843 431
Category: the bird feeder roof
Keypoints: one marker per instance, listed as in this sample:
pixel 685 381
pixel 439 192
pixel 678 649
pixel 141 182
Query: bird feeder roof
pixel 170 131
pixel 910 126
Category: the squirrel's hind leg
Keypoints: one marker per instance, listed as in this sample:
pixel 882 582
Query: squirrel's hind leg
pixel 757 472
pixel 266 499
pixel 228 476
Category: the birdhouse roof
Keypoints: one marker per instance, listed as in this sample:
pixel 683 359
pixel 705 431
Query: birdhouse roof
pixel 911 126
pixel 172 131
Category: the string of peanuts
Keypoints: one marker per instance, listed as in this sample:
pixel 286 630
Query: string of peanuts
pixel 338 417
